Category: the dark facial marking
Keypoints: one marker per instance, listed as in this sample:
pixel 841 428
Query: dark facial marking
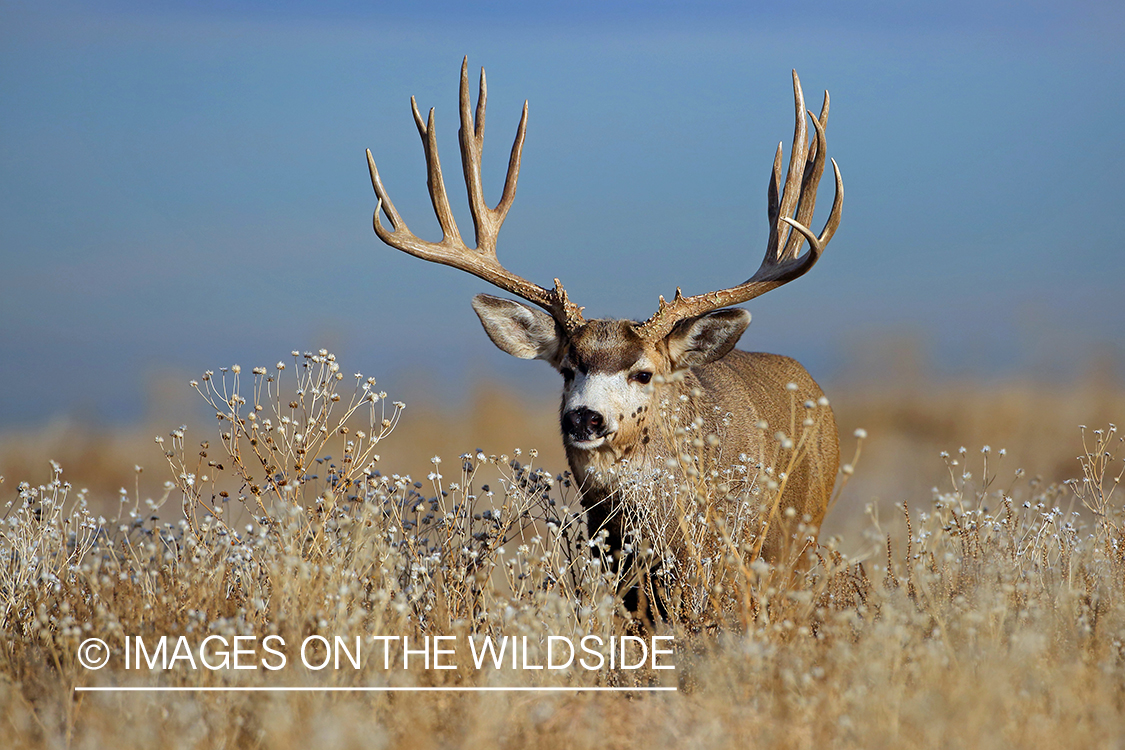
pixel 606 346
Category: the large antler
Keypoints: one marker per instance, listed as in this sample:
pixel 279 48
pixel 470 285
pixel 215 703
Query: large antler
pixel 781 264
pixel 480 261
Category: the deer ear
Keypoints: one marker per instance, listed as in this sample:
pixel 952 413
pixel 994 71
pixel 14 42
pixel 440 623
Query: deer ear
pixel 705 338
pixel 522 331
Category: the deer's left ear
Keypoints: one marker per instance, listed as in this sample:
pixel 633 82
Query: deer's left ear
pixel 706 338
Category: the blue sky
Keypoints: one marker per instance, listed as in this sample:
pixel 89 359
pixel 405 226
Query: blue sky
pixel 183 186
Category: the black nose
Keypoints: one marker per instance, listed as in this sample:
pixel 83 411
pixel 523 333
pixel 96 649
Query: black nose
pixel 583 423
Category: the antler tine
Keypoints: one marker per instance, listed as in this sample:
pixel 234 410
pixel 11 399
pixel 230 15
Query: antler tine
pixel 781 263
pixel 773 206
pixel 452 251
pixel 434 180
pixel 472 143
pixel 383 204
pixel 796 172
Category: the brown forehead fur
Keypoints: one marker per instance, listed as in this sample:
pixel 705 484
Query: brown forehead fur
pixel 605 346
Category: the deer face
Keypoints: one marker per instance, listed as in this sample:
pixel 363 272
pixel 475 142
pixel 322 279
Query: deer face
pixel 607 366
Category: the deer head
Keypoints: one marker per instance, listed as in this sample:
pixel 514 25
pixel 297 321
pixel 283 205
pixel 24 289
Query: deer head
pixel 609 367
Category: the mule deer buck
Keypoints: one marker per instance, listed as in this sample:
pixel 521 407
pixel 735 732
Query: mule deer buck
pixel 618 373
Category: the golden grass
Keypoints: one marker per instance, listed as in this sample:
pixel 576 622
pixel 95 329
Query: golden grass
pixel 995 618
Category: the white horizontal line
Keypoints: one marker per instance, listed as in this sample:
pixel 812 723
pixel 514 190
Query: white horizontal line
pixel 303 689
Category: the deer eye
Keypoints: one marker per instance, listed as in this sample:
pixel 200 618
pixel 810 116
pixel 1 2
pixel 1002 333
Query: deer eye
pixel 642 377
pixel 567 373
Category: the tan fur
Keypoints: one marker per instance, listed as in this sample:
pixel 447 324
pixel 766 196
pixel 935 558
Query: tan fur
pixel 745 388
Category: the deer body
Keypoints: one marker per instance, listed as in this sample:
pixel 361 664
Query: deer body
pixel 615 432
pixel 624 381
pixel 750 387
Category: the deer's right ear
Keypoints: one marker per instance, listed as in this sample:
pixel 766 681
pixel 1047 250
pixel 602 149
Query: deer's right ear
pixel 522 331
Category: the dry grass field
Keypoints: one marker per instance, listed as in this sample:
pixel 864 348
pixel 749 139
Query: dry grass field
pixel 970 599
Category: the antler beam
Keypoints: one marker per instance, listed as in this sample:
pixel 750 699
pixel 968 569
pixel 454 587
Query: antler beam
pixel 795 208
pixel 481 261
